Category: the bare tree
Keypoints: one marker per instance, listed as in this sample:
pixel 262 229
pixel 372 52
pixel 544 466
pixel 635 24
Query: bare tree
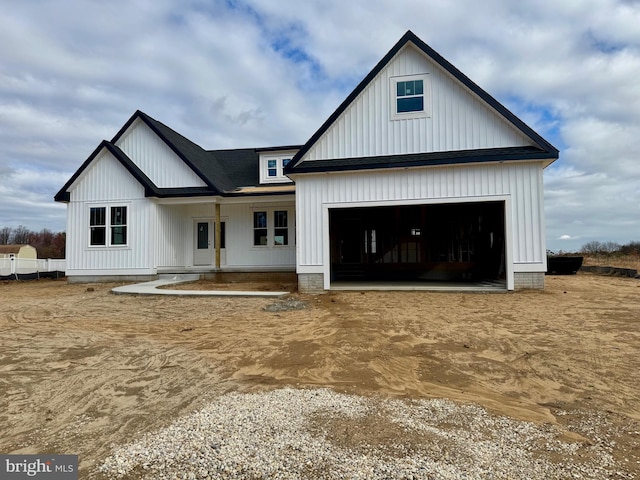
pixel 5 235
pixel 21 235
pixel 610 247
pixel 631 248
pixel 592 248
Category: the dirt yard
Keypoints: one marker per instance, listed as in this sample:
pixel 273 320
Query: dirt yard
pixel 82 369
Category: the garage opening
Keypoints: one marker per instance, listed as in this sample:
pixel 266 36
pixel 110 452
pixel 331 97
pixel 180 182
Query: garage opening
pixel 456 242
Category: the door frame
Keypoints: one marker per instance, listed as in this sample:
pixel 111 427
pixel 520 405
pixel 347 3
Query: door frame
pixel 210 255
pixel 508 235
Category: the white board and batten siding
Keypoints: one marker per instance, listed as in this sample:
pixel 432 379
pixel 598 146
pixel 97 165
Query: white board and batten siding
pixel 241 253
pixel 457 119
pixel 156 159
pixel 90 190
pixel 518 184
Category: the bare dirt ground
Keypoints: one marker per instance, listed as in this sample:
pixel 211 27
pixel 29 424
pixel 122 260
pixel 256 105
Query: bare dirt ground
pixel 82 369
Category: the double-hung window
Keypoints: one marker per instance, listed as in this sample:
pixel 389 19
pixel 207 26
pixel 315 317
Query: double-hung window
pixel 281 230
pixel 97 226
pixel 409 96
pixel 260 237
pixel 271 228
pixel 108 219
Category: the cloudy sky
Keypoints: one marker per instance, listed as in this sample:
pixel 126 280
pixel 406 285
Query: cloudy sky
pixel 249 73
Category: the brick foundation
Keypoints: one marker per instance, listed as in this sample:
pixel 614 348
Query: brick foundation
pixel 258 277
pixel 532 280
pixel 311 283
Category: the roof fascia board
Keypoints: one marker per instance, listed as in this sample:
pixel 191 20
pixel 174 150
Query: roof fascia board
pixel 374 169
pixel 411 162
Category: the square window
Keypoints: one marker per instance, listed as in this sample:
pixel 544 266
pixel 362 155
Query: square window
pixel 260 237
pixel 98 236
pixel 409 96
pixel 118 235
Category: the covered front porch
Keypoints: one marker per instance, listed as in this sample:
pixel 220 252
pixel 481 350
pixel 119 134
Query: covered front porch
pixel 214 235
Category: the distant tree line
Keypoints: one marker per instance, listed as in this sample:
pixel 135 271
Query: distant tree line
pixel 48 244
pixel 610 248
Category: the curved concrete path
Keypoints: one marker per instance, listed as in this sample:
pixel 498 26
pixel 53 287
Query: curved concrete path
pixel 151 288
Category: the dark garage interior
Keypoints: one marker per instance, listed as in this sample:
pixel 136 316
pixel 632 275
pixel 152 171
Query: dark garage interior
pixel 454 242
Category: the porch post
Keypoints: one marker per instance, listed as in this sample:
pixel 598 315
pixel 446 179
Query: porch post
pixel 218 236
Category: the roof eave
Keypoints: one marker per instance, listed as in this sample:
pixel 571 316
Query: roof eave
pixel 320 166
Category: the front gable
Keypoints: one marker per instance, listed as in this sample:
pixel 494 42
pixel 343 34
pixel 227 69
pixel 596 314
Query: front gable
pixel 155 158
pixel 90 185
pixel 414 102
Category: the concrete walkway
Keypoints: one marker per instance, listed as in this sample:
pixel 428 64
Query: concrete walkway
pixel 151 288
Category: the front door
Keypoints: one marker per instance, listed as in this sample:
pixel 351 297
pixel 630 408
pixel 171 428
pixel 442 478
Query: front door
pixel 203 249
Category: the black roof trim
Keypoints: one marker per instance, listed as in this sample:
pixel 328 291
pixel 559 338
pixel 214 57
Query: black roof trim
pixel 64 196
pixel 273 149
pixel 257 194
pixel 409 36
pixel 425 159
pixel 150 189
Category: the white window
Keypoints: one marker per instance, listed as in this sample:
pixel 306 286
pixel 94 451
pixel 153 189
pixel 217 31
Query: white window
pixel 281 229
pixel 272 167
pixel 271 228
pixel 260 236
pixel 409 96
pixel 112 218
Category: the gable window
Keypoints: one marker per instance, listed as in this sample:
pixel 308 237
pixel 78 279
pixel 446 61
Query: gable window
pixel 409 97
pixel 112 218
pixel 272 167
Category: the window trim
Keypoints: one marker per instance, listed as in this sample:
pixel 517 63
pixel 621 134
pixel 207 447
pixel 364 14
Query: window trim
pixel 258 228
pixel 279 158
pixel 109 226
pixel 426 95
pixel 271 226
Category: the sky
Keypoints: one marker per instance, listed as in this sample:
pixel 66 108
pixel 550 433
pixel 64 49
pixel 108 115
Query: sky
pixel 253 73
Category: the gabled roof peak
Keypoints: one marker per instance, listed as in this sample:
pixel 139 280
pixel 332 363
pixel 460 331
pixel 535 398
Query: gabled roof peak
pixel 410 37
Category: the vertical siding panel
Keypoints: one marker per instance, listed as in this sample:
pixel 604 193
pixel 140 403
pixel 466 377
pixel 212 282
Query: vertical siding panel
pixel 156 159
pixel 521 181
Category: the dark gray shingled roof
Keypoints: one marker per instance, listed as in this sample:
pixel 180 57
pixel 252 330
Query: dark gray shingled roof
pixel 223 171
